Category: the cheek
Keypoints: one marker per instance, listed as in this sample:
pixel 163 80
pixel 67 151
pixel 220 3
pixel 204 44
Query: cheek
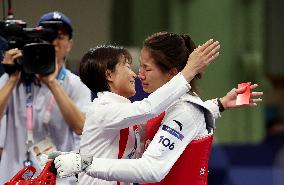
pixel 148 75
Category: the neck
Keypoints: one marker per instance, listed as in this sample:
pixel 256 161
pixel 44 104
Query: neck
pixel 60 64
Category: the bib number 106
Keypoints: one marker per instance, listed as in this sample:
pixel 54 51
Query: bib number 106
pixel 166 142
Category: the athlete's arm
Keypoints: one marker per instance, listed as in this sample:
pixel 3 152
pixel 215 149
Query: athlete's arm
pixel 177 131
pixel 122 115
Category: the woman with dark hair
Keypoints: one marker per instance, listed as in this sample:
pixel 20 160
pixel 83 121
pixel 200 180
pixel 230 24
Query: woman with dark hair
pixel 185 129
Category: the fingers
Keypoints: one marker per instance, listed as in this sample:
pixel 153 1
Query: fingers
pixel 251 104
pixel 257 100
pixel 57 163
pixel 16 56
pixel 11 55
pixel 212 49
pixel 241 90
pixel 205 45
pixel 253 86
pixel 62 174
pixel 213 57
pixel 12 51
pixel 256 93
pixel 59 167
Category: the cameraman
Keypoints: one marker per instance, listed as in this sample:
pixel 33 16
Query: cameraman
pixel 41 111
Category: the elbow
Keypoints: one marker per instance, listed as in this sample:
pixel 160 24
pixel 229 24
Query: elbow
pixel 79 127
pixel 78 131
pixel 157 174
pixel 160 177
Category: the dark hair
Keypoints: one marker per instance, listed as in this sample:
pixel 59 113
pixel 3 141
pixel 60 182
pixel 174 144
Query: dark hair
pixel 170 50
pixel 96 61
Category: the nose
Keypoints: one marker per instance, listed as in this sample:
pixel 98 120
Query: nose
pixel 55 42
pixel 134 74
pixel 141 74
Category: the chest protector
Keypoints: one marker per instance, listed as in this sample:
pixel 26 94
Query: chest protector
pixel 124 133
pixel 192 166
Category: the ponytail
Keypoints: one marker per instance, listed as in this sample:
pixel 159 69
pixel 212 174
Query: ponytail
pixel 190 45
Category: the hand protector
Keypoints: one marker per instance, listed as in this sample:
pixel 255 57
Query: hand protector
pixel 68 164
pixel 71 164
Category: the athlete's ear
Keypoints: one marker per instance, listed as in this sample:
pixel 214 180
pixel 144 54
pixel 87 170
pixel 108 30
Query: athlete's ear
pixel 173 71
pixel 109 75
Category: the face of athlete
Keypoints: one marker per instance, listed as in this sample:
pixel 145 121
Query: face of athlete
pixel 122 80
pixel 151 76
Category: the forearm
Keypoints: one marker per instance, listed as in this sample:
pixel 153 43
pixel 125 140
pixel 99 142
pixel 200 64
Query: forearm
pixel 166 95
pixel 125 115
pixel 158 158
pixel 129 170
pixel 71 113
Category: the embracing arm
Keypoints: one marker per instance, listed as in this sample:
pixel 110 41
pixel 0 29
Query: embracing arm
pixel 161 154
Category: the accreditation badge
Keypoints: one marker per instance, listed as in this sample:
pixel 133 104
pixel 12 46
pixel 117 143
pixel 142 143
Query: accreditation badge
pixel 39 152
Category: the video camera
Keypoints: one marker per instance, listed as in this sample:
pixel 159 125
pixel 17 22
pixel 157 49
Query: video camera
pixel 35 43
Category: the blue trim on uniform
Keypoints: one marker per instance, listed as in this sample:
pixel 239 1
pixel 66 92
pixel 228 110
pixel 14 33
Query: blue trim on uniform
pixel 173 132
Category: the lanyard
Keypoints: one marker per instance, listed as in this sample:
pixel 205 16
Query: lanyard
pixel 62 74
pixel 60 77
pixel 29 104
pixel 29 112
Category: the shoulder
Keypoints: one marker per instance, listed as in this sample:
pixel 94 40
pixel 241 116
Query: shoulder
pixel 185 106
pixel 4 78
pixel 73 81
pixel 72 78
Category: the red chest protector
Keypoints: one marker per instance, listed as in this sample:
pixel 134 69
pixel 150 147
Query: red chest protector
pixel 123 141
pixel 192 166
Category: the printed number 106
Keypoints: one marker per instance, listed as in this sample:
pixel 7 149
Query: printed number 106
pixel 166 142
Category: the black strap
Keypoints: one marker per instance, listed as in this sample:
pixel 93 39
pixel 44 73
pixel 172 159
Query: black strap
pixel 220 105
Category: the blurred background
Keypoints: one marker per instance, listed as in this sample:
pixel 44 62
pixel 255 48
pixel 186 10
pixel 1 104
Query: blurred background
pixel 248 147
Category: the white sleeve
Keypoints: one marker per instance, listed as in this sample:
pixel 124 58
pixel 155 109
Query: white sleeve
pixel 179 127
pixel 3 80
pixel 122 115
pixel 80 93
pixel 212 105
pixel 3 127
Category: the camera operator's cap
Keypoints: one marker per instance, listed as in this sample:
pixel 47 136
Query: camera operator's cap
pixel 58 16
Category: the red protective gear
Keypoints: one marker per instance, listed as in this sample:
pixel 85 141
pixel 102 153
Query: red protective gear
pixel 192 166
pixel 24 177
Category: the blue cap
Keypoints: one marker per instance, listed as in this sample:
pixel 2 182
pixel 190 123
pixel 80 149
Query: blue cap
pixel 58 16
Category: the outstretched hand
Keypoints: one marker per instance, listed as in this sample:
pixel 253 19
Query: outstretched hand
pixel 229 101
pixel 200 58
